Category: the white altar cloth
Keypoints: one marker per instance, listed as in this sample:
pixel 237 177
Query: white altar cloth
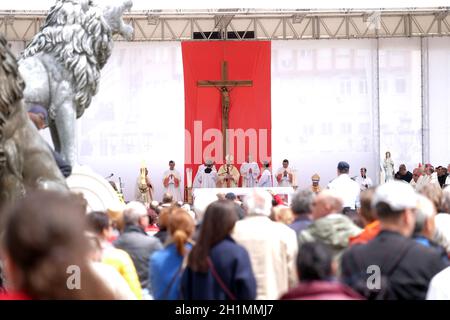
pixel 204 196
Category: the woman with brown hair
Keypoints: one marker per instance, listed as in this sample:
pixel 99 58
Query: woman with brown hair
pixel 49 258
pixel 163 222
pixel 218 268
pixel 166 266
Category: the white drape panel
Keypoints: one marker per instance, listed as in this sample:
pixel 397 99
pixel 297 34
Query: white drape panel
pixel 439 100
pixel 138 115
pixel 400 101
pixel 322 107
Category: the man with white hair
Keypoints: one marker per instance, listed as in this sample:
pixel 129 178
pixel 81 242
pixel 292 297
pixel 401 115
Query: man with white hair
pixel 272 247
pixel 424 230
pixel 442 221
pixel 392 266
pixel 135 241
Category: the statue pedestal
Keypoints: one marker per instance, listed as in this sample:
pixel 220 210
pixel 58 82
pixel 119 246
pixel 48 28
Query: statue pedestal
pixel 97 191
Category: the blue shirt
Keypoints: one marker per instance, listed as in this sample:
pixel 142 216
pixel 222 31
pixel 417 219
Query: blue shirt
pixel 163 267
pixel 301 223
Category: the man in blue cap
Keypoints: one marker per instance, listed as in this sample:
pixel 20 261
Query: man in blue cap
pixel 39 116
pixel 347 189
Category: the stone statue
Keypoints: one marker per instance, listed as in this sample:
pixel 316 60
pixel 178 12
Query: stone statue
pixel 26 161
pixel 388 166
pixel 61 65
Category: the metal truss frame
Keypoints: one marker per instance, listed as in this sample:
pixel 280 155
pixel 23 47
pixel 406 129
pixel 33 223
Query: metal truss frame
pixel 159 25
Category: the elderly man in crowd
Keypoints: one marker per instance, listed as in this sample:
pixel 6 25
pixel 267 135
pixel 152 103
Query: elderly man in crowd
pixel 301 206
pixel 425 228
pixel 442 221
pixel 135 241
pixel 272 246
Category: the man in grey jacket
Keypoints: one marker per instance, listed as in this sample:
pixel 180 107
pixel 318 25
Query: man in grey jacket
pixel 329 226
pixel 135 241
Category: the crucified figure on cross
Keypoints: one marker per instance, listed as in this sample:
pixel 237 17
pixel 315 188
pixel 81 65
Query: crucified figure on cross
pixel 224 85
pixel 225 92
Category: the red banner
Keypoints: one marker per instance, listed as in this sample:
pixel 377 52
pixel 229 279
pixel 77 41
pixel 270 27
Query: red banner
pixel 249 113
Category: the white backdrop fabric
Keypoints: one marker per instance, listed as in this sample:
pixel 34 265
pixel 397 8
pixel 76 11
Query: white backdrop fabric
pixel 322 107
pixel 439 100
pixel 137 116
pixel 400 101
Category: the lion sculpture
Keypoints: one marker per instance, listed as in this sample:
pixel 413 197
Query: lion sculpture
pixel 26 161
pixel 61 65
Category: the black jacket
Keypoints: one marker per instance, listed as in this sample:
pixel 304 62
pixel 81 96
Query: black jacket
pixel 406 267
pixel 407 177
pixel 140 247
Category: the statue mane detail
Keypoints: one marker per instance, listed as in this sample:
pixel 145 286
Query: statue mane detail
pixel 80 39
pixel 61 65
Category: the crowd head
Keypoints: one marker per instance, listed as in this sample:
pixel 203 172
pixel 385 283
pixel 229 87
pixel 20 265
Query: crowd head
pixel 42 243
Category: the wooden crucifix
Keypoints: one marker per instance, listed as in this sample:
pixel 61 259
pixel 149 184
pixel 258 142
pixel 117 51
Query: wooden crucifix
pixel 224 85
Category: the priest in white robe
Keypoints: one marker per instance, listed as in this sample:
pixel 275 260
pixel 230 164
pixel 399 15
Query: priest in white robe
pixel 363 180
pixel 266 179
pixel 207 177
pixel 200 169
pixel 228 174
pixel 249 172
pixel 285 175
pixel 171 182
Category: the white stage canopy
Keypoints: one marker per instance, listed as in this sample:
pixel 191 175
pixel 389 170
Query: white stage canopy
pixel 265 4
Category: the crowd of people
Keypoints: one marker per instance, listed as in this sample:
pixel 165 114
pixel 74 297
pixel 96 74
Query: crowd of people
pixel 391 241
